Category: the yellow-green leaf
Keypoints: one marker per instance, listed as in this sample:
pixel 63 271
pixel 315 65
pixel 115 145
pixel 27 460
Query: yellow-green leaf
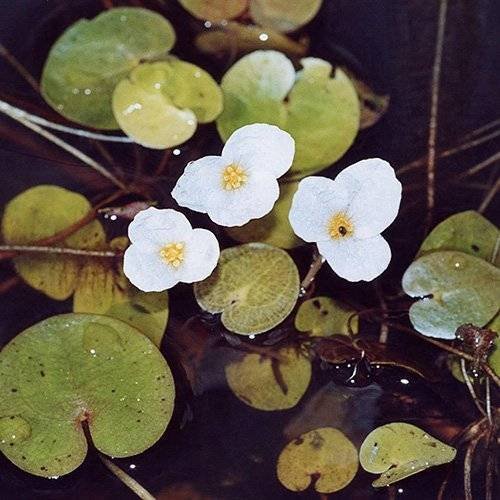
pixel 324 454
pixel 215 10
pixel 255 286
pixel 270 384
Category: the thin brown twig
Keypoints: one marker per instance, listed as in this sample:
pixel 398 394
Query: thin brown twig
pixel 57 250
pixel 6 54
pixel 478 167
pixel 433 124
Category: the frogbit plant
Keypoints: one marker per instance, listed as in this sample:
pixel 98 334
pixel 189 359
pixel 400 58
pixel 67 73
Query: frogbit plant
pixel 345 217
pixel 241 184
pixel 166 249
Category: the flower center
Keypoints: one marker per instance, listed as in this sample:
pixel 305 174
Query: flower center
pixel 340 226
pixel 173 254
pixel 233 177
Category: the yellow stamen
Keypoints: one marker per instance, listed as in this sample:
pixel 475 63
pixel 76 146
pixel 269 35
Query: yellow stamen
pixel 173 254
pixel 340 226
pixel 233 177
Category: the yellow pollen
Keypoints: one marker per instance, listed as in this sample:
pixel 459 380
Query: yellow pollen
pixel 173 254
pixel 340 226
pixel 233 177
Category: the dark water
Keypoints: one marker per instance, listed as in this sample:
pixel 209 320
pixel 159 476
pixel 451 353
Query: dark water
pixel 220 447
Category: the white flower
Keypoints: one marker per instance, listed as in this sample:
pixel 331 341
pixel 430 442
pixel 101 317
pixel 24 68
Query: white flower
pixel 345 217
pixel 165 250
pixel 241 184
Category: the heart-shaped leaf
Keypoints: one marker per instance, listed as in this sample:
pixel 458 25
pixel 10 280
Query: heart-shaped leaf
pixel 255 286
pixel 321 112
pixel 215 10
pixel 274 228
pixel 91 57
pixel 325 456
pixel 159 104
pixel 455 288
pixel 41 212
pixel 467 232
pixel 77 368
pixel 270 384
pixel 323 316
pixel 283 15
pixel 399 450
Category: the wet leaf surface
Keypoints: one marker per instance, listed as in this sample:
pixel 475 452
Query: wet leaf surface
pixel 399 450
pixel 324 457
pixel 159 104
pixel 323 316
pixel 92 56
pixel 319 110
pixel 456 288
pixel 270 384
pixel 29 217
pixel 274 228
pixel 78 368
pixel 255 286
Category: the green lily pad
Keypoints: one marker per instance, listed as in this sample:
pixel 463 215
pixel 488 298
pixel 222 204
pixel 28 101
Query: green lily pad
pixel 74 369
pixel 283 15
pixel 325 456
pixel 233 37
pixel 91 57
pixel 399 450
pixel 467 232
pixel 323 316
pixel 159 104
pixel 255 287
pixel 455 288
pixel 320 112
pixel 41 212
pixel 215 10
pixel 267 384
pixel 274 228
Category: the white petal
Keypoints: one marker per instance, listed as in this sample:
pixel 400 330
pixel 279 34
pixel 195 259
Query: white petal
pixel 356 260
pixel 201 180
pixel 147 271
pixel 253 200
pixel 153 228
pixel 200 256
pixel 375 195
pixel 261 146
pixel 317 199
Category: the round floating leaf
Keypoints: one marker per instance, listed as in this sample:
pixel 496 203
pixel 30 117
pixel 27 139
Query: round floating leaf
pixel 320 112
pixel 215 10
pixel 234 37
pixel 274 228
pixel 255 286
pixel 77 368
pixel 91 57
pixel 159 104
pixel 323 316
pixel 324 455
pixel 39 213
pixel 270 384
pixel 399 450
pixel 283 15
pixel 455 288
pixel 467 232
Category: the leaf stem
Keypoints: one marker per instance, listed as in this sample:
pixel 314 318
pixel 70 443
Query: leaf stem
pixel 315 266
pixel 58 250
pixel 468 382
pixel 489 196
pixel 5 53
pixel 127 480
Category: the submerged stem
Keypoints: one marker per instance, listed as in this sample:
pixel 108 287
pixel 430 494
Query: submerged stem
pixel 472 392
pixel 57 250
pixel 127 480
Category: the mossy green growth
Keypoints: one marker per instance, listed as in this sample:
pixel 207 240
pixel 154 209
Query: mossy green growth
pixel 159 104
pixel 92 56
pixel 399 450
pixel 454 288
pixel 319 110
pixel 255 286
pixel 74 370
